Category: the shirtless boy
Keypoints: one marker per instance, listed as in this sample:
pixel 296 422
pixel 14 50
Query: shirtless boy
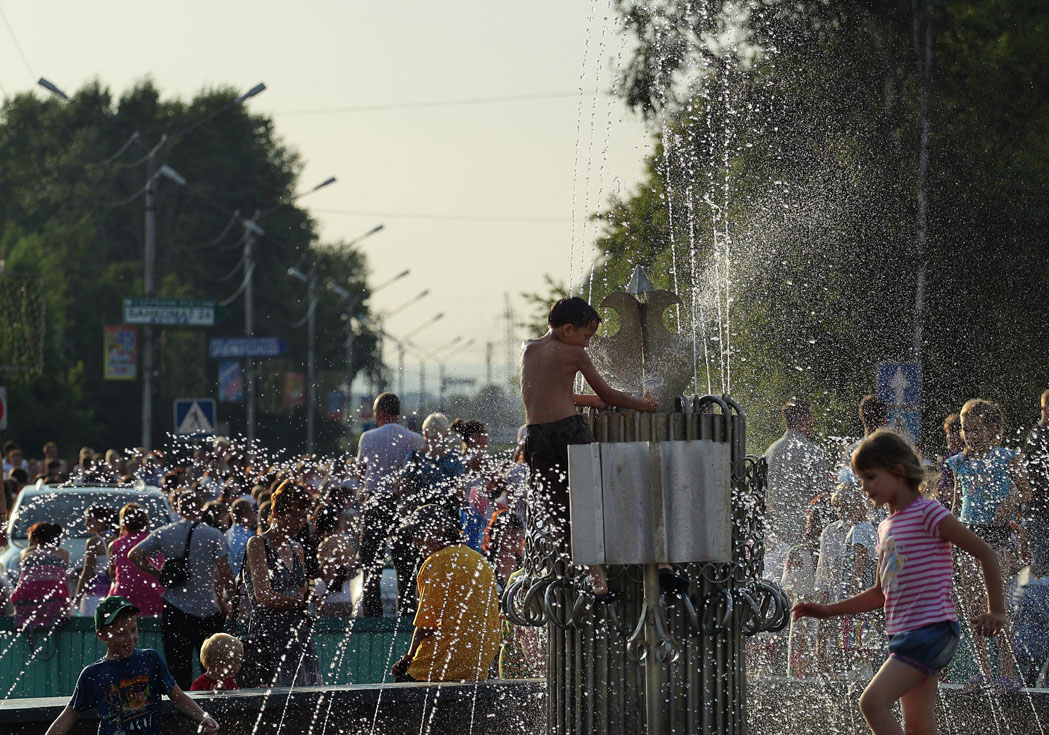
pixel 548 369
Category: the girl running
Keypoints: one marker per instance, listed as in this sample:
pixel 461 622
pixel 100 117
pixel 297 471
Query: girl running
pixel 913 586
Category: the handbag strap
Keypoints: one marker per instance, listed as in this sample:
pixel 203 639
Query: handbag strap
pixel 189 537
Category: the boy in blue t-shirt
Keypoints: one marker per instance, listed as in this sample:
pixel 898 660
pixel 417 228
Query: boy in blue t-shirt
pixel 126 685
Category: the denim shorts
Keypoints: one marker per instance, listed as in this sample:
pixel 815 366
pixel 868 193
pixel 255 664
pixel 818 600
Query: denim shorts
pixel 928 648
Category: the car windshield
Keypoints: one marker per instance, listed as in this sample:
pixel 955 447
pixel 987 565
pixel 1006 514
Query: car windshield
pixel 66 508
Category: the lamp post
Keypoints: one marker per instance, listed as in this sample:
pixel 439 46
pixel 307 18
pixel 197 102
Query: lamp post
pixel 150 234
pixel 380 323
pixel 435 357
pixel 400 351
pixel 440 373
pixel 352 303
pixel 311 340
pixel 251 229
pixel 310 279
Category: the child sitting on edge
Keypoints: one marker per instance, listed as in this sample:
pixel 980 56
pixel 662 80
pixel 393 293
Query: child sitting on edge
pixel 125 685
pixel 221 655
pixel 548 369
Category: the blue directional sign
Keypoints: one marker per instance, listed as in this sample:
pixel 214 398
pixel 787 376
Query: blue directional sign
pixel 195 415
pixel 906 421
pixel 246 347
pixel 899 383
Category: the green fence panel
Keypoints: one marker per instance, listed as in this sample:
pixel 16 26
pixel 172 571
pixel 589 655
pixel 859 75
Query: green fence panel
pixel 351 651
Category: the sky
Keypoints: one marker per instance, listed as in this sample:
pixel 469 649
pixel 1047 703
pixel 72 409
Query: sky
pixel 479 200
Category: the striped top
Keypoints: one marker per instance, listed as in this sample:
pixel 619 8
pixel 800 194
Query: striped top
pixel 915 567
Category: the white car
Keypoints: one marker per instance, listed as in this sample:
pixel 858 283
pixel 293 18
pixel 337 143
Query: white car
pixel 65 505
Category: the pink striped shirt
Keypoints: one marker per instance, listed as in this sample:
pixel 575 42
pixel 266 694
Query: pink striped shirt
pixel 915 567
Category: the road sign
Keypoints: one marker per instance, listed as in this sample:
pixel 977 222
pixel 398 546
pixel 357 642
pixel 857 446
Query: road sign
pixel 181 312
pixel 906 421
pixel 899 383
pixel 3 408
pixel 195 415
pixel 249 347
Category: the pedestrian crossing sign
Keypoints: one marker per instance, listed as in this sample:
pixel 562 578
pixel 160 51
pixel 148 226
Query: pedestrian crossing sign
pixel 195 415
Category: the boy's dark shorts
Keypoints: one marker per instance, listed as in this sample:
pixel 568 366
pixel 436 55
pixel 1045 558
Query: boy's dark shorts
pixel 928 648
pixel 546 451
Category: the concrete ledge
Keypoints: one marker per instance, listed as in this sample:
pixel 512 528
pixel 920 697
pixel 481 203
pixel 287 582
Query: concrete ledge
pixel 775 705
pixel 484 708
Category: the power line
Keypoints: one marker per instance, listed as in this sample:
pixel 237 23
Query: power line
pixel 449 217
pixel 18 46
pixel 442 103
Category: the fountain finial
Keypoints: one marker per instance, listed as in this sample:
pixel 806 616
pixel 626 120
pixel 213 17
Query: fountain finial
pixel 642 355
pixel 639 286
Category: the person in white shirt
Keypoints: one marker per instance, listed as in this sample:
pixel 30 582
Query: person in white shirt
pixel 380 454
pixel 797 472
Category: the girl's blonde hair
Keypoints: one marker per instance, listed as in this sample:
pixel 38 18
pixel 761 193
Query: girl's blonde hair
pixel 887 450
pixel 987 412
pixel 218 648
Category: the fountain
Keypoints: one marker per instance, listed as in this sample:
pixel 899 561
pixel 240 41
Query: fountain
pixel 670 487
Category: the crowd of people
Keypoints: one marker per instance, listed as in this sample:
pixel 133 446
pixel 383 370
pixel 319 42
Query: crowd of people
pixel 862 545
pixel 264 549
pixel 822 541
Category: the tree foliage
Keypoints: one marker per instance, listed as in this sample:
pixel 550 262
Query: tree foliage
pixel 71 209
pixel 782 199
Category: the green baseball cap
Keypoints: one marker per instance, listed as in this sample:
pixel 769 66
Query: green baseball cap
pixel 108 610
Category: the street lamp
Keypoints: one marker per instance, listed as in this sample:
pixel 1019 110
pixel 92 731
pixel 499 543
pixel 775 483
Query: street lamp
pixel 311 335
pixel 150 233
pixel 440 371
pixel 251 229
pixel 434 356
pixel 311 341
pixel 352 303
pixel 380 321
pixel 400 350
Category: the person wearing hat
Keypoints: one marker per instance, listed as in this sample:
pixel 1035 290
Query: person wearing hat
pixel 457 621
pixel 126 684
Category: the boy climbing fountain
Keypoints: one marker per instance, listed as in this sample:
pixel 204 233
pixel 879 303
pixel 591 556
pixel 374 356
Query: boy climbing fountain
pixel 548 369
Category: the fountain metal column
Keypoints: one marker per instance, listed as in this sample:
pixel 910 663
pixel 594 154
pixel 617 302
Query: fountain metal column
pixel 669 487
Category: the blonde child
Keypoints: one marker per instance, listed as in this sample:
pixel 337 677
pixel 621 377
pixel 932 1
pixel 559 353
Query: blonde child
pixel 989 485
pixel 913 586
pixel 222 655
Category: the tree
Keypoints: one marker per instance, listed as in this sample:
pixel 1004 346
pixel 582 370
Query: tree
pixel 781 200
pixel 71 209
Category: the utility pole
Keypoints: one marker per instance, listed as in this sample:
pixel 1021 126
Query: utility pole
pixel 350 336
pixel 311 356
pixel 148 287
pixel 150 235
pixel 311 348
pixel 250 230
pixel 508 316
pixel 400 370
pixel 923 58
pixel 488 362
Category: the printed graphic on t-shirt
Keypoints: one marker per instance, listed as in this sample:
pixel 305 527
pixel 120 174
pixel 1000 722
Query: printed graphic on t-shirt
pixel 128 705
pixel 892 565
